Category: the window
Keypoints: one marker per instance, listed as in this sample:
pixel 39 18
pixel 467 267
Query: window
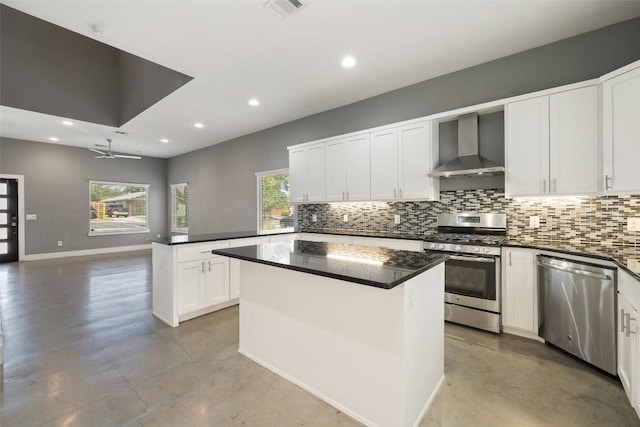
pixel 117 208
pixel 179 193
pixel 274 209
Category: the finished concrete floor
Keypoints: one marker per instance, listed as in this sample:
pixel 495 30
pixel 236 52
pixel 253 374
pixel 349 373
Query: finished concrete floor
pixel 82 349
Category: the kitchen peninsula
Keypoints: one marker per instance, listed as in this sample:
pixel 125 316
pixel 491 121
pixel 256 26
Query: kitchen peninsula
pixel 359 327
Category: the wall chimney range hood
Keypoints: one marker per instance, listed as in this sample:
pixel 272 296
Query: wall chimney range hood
pixel 469 162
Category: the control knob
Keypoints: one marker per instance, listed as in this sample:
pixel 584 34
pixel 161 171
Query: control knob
pixel 476 249
pixel 486 250
pixel 441 246
pixel 432 246
pixel 458 248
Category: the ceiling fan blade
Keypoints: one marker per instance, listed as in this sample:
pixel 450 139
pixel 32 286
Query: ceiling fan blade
pixel 104 156
pixel 124 156
pixel 97 151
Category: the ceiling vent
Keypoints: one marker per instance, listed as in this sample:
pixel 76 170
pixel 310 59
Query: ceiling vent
pixel 283 8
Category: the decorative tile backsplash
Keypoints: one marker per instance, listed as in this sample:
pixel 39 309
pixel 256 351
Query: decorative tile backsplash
pixel 595 221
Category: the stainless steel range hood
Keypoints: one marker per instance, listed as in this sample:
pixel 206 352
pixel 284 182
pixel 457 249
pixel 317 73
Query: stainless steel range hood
pixel 469 162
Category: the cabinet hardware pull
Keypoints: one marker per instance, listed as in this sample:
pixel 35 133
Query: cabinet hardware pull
pixel 622 320
pixel 395 196
pixel 544 185
pixel 209 266
pixel 347 195
pixel 555 185
pixel 204 252
pixel 202 266
pixel 510 258
pixel 607 180
pixel 400 192
pixel 629 319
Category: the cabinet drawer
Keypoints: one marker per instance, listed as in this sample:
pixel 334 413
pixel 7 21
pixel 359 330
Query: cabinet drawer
pixel 199 251
pixel 248 241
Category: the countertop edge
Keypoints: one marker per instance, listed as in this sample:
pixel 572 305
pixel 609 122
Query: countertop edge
pixel 610 258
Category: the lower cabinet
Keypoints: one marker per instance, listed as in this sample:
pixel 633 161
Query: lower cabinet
pixel 520 296
pixel 202 284
pixel 628 341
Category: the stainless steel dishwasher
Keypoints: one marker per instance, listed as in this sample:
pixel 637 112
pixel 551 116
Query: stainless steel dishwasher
pixel 577 310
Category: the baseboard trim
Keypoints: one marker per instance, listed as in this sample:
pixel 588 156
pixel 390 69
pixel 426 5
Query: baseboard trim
pixel 85 252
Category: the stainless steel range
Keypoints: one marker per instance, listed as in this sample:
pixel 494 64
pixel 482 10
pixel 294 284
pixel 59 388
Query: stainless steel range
pixel 472 272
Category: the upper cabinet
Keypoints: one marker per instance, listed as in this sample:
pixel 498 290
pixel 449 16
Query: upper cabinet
pixel 621 132
pixel 307 173
pixel 348 169
pixel 552 144
pixel 388 164
pixel 401 159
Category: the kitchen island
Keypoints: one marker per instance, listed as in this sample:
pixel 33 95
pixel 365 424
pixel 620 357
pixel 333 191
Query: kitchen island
pixel 360 327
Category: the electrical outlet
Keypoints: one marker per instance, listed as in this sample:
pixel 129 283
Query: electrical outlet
pixel 396 219
pixel 31 217
pixel 59 242
pixel 634 265
pixel 345 218
pixel 633 224
pixel 534 221
pixel 314 218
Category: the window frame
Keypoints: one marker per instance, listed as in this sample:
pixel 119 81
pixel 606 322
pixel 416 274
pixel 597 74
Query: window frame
pixel 146 230
pixel 174 228
pixel 259 176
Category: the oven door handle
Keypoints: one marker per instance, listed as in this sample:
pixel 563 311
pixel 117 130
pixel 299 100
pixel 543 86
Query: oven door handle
pixel 472 259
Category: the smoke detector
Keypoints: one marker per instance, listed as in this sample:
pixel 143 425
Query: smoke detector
pixel 283 8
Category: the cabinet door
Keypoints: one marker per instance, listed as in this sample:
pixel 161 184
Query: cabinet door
pixel 336 174
pixel 384 165
pixel 574 150
pixel 216 285
pixel 621 132
pixel 191 277
pixel 527 147
pixel 315 173
pixel 297 174
pixel 627 347
pixel 358 168
pixel 414 145
pixel 234 278
pixel 520 308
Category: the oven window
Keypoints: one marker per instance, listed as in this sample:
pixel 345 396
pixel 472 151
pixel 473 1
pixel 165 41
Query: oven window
pixel 471 278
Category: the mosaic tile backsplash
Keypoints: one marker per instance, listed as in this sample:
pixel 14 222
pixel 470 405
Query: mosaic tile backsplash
pixel 595 222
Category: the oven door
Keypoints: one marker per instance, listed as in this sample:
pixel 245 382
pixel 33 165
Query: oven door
pixel 473 281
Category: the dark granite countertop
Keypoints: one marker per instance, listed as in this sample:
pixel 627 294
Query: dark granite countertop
pixel 371 266
pixel 180 239
pixel 620 256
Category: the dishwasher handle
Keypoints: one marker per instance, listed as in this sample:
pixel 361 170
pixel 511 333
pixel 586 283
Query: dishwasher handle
pixel 576 271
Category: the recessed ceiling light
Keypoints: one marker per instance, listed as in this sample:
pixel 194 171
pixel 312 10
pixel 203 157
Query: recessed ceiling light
pixel 67 123
pixel 54 139
pixel 348 61
pixel 121 132
pixel 199 125
pixel 164 140
pixel 254 102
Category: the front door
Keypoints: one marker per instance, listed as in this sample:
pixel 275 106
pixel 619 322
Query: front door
pixel 8 220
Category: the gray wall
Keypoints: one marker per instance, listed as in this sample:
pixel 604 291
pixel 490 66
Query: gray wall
pixel 57 190
pixel 221 182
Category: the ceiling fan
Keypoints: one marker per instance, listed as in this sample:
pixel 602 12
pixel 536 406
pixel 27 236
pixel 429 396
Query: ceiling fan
pixel 110 155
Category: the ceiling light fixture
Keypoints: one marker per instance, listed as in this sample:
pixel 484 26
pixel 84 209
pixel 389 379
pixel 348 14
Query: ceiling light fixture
pixel 348 61
pixel 199 125
pixel 164 140
pixel 53 138
pixel 67 123
pixel 254 102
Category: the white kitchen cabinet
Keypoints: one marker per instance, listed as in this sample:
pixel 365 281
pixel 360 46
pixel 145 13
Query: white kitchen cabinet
pixel 552 145
pixel 347 169
pixel 307 173
pixel 628 341
pixel 202 284
pixel 401 159
pixel 621 132
pixel 519 296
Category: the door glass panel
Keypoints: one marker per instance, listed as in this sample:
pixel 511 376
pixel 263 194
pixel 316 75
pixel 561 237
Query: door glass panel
pixel 3 219
pixel 3 203
pixel 4 248
pixel 3 233
pixel 3 188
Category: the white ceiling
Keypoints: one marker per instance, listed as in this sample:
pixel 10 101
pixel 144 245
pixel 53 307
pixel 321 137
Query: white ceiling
pixel 236 49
